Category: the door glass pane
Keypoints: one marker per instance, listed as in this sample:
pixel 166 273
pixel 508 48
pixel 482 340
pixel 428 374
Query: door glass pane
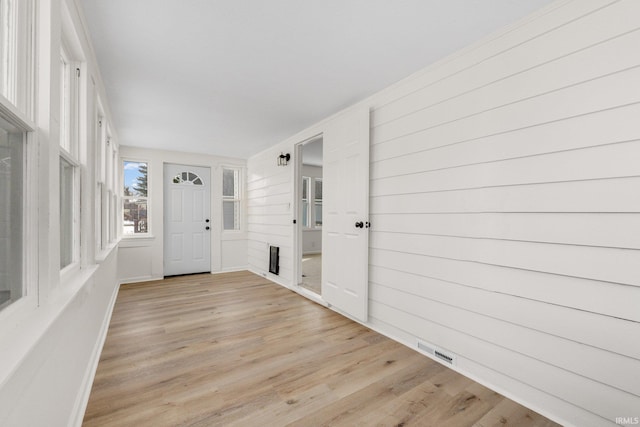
pixel 11 190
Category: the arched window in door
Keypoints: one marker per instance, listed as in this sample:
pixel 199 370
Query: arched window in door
pixel 187 178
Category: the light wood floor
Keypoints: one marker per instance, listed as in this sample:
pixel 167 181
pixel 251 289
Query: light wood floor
pixel 236 349
pixel 312 273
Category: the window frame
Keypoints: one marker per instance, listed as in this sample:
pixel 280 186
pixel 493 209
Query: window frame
pixel 17 109
pixel 74 264
pixel 17 51
pixel 124 198
pixel 306 219
pixel 317 202
pixel 100 141
pixel 29 221
pixel 311 202
pixel 71 104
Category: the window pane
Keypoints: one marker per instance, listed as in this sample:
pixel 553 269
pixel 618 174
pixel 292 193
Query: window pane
pixel 7 49
pixel 305 188
pixel 318 214
pixel 135 202
pixel 11 188
pixel 229 183
pixel 134 216
pixel 231 215
pixel 66 213
pixel 318 192
pixel 65 110
pixel 99 191
pixel 135 179
pixel 305 214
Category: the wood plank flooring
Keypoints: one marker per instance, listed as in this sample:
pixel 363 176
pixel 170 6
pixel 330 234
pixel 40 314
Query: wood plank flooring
pixel 238 350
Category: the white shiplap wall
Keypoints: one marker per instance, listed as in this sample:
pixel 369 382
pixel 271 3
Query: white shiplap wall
pixel 505 203
pixel 270 212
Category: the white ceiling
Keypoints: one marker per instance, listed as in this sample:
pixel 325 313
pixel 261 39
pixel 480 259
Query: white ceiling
pixel 233 77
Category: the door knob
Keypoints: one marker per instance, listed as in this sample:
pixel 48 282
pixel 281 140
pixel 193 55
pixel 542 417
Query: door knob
pixel 207 227
pixel 206 220
pixel 359 224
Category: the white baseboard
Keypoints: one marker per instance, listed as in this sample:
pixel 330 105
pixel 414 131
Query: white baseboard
pixel 231 270
pixel 139 279
pixel 493 380
pixel 270 276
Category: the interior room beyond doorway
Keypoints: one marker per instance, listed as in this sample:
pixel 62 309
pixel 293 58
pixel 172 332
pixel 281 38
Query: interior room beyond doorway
pixel 311 216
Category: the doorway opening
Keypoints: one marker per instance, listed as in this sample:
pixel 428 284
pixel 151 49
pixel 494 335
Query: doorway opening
pixel 310 213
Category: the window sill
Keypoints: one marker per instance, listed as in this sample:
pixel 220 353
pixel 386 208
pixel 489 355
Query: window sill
pixel 69 272
pixel 104 253
pixel 141 236
pixel 137 236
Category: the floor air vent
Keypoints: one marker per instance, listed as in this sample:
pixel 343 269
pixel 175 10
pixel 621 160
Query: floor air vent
pixel 446 357
pixel 274 259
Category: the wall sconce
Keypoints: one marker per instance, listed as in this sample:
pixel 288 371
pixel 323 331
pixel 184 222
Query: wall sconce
pixel 283 159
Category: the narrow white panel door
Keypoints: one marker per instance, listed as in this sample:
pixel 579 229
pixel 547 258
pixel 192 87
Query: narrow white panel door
pixel 345 228
pixel 187 219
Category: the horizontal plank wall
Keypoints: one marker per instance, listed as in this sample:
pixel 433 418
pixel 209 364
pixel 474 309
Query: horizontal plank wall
pixel 505 211
pixel 270 213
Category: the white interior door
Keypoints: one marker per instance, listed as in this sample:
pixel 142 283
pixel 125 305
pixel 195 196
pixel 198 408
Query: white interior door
pixel 187 214
pixel 345 228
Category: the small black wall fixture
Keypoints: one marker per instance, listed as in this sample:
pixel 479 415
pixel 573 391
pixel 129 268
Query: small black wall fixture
pixel 283 159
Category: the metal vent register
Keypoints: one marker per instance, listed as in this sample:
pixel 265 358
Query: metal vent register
pixel 445 356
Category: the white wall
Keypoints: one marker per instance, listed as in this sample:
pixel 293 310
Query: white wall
pixel 504 195
pixel 50 340
pixel 270 213
pixel 141 258
pixel 52 382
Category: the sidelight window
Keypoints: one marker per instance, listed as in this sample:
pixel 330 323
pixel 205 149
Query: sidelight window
pixel 231 199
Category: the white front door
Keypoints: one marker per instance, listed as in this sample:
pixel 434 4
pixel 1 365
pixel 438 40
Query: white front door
pixel 345 228
pixel 187 219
